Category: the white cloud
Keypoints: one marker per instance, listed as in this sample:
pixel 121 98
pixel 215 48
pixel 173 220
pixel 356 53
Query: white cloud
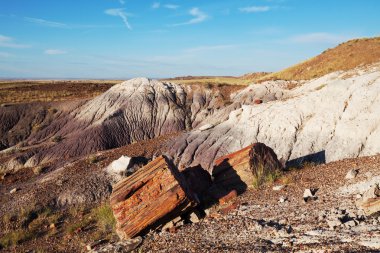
pixel 254 9
pixel 156 5
pixel 171 6
pixel 120 13
pixel 209 48
pixel 9 42
pixel 198 17
pixel 318 38
pixel 54 52
pixel 44 22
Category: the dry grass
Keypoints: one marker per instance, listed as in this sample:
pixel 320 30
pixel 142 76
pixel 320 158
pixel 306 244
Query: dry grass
pixel 47 91
pixel 210 81
pixel 37 225
pixel 346 56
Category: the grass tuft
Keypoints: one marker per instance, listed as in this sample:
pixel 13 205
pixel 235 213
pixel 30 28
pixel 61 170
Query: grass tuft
pixel 104 217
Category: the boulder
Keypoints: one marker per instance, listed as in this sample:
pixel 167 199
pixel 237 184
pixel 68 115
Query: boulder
pixel 118 168
pixel 125 166
pixel 151 197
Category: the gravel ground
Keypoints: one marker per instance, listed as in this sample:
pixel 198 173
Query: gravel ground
pixel 260 223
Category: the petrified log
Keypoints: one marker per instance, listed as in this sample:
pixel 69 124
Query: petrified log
pixel 152 196
pixel 238 170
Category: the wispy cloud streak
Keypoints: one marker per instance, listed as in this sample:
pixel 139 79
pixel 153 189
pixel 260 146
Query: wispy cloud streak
pixel 120 12
pixel 171 6
pixel 255 9
pixel 44 22
pixel 54 52
pixel 6 41
pixel 198 17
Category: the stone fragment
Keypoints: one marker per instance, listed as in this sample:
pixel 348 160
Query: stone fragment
pixel 334 223
pixel 13 190
pixel 351 174
pixel 278 187
pixel 309 194
pixel 194 218
pixel 283 199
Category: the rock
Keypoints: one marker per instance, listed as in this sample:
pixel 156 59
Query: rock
pixel 228 198
pixel 127 245
pixel 352 174
pixel 283 199
pixel 334 223
pixel 258 101
pixel 206 127
pixel 168 225
pixel 309 194
pixel 371 206
pixel 350 224
pixel 95 244
pixel 370 201
pixel 278 187
pixel 13 190
pixel 240 169
pixel 373 192
pixel 194 218
pixel 118 168
pixel 152 196
pixel 373 243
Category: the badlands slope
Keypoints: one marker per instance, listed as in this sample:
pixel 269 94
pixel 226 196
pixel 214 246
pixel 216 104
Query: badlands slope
pixel 336 116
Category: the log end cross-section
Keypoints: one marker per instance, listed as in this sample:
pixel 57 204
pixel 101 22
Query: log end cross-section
pixel 152 196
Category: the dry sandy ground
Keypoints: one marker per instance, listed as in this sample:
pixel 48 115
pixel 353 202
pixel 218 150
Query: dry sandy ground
pixel 260 223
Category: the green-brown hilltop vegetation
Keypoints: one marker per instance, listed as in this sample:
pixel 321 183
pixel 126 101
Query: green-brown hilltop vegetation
pixel 346 56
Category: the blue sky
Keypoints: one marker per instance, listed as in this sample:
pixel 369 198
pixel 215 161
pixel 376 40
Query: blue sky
pixel 121 39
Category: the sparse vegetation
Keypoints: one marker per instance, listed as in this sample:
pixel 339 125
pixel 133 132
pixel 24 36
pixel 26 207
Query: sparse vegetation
pixel 92 159
pixel 12 92
pixel 211 81
pixel 16 237
pixel 321 87
pixel 346 56
pixel 38 170
pixel 104 217
pixel 57 138
pixel 263 175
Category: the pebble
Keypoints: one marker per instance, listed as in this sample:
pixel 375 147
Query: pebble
pixel 13 190
pixel 283 199
pixel 278 187
pixel 352 174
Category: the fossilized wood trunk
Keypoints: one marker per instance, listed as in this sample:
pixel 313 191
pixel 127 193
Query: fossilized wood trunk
pixel 152 196
pixel 233 171
pixel 238 170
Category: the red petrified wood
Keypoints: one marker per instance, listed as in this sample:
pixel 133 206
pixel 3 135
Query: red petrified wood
pixel 237 170
pixel 152 196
